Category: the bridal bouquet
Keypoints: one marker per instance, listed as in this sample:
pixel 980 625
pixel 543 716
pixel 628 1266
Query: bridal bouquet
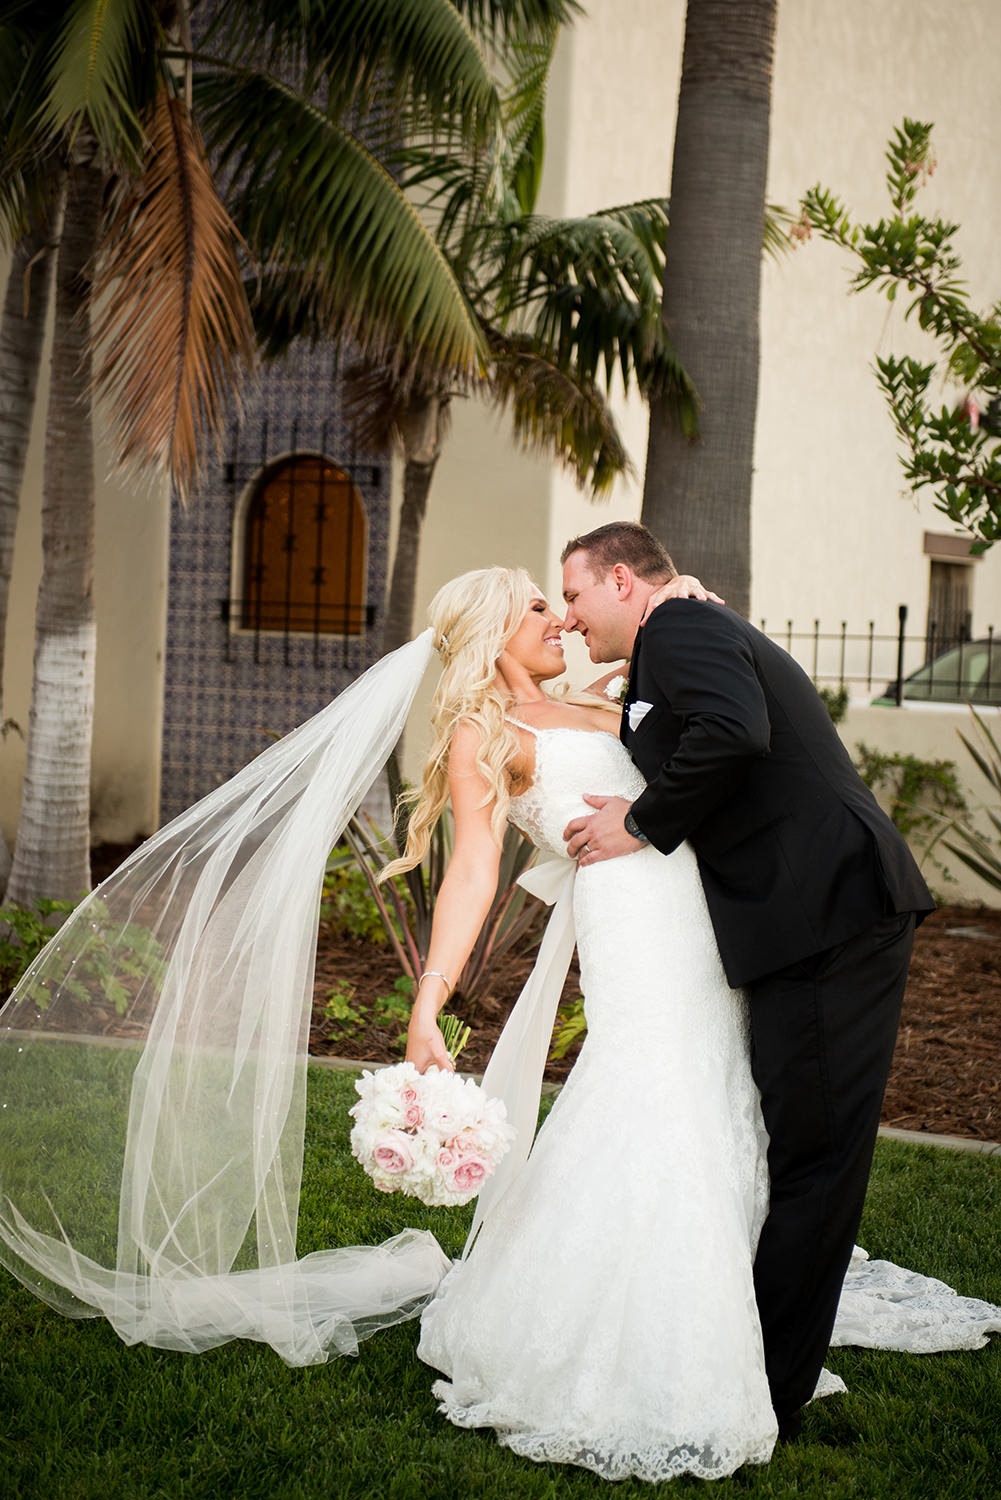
pixel 433 1136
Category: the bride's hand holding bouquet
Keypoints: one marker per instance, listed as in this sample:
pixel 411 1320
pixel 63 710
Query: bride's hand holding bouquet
pixel 430 1135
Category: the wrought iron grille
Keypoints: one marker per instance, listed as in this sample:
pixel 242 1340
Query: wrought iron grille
pixel 303 548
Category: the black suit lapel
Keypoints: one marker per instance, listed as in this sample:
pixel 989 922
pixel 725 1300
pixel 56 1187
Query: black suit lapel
pixel 624 730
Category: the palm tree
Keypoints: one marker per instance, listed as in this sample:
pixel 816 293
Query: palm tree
pixel 22 326
pixel 562 304
pixel 105 88
pixel 52 853
pixel 697 496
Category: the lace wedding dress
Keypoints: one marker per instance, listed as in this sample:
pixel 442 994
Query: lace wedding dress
pixel 605 1314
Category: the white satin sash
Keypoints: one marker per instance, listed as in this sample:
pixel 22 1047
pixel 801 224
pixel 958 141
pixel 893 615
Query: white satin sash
pixel 514 1072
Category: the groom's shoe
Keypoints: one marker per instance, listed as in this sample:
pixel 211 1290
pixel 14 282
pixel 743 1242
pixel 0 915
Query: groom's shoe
pixel 790 1425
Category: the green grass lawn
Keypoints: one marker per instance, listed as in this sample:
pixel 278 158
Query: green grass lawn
pixel 89 1419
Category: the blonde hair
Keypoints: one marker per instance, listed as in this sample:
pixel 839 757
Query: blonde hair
pixel 472 618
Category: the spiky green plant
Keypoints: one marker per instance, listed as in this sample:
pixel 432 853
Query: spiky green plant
pixel 980 852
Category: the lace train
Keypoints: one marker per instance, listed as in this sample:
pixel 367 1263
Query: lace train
pixel 884 1306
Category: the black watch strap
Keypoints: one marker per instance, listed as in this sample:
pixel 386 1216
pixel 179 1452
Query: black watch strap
pixel 633 828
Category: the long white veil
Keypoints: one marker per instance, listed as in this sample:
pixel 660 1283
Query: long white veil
pixel 157 1181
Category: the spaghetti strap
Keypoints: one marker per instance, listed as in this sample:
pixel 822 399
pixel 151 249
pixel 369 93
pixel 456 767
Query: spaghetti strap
pixel 520 724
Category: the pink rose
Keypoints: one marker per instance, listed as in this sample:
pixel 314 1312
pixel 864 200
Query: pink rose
pixel 413 1110
pixel 469 1174
pixel 394 1152
pixel 446 1158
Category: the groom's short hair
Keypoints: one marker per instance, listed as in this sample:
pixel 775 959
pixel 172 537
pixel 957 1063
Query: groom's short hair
pixel 623 542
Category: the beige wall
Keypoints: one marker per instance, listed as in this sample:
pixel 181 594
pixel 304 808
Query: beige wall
pixel 489 504
pixel 835 533
pixel 932 733
pixel 130 595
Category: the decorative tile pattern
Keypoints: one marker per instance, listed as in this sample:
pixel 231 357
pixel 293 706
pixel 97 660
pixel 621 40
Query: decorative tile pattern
pixel 226 692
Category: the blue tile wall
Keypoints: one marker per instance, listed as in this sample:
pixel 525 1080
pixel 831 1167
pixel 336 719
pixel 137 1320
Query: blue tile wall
pixel 219 712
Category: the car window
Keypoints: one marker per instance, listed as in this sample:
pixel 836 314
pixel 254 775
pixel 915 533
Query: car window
pixel 959 676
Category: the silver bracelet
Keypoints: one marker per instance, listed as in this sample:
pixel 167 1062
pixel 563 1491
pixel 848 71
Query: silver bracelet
pixel 435 974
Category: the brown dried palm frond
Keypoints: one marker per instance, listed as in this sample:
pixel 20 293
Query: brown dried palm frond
pixel 174 331
pixel 555 411
pixel 379 406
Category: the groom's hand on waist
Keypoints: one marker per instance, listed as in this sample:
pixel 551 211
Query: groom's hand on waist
pixel 603 834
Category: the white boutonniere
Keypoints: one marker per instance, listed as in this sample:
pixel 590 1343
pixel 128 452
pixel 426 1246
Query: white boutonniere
pixel 615 691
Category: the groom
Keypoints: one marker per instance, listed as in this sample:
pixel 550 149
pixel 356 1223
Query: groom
pixel 812 893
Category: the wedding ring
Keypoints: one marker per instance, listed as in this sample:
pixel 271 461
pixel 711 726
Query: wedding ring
pixel 586 849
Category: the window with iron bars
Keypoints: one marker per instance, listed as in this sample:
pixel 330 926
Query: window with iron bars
pixel 304 551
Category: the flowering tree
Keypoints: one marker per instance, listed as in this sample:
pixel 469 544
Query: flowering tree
pixel 953 449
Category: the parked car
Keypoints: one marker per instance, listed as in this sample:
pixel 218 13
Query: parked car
pixel 967 673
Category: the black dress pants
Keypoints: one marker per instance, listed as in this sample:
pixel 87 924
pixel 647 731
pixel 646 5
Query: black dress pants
pixel 822 1038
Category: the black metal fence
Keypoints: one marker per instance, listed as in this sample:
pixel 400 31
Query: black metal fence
pixel 895 666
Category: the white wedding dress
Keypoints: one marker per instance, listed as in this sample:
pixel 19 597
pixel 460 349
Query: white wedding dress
pixel 605 1315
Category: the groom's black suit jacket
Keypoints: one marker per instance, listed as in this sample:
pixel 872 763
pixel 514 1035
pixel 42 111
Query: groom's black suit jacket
pixel 741 759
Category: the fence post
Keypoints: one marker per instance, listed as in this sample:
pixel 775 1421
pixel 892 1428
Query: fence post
pixel 898 689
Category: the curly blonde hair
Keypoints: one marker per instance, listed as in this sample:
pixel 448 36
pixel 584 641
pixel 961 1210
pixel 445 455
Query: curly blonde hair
pixel 472 618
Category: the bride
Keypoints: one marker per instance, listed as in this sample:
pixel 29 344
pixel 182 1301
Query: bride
pixel 604 1313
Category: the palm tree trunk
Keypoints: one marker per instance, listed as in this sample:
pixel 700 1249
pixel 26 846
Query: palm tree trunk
pixel 422 435
pixel 697 496
pixel 22 330
pixel 52 856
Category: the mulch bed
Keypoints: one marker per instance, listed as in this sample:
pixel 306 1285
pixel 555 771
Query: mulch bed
pixel 946 1073
pixel 946 1076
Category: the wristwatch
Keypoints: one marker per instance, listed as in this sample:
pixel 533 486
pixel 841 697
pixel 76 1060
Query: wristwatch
pixel 633 828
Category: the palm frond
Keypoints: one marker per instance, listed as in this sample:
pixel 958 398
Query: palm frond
pixel 455 193
pixel 104 70
pixel 27 149
pixel 420 56
pixel 379 409
pixel 523 114
pixel 503 19
pixel 175 327
pixel 466 191
pixel 317 207
pixel 611 250
pixel 555 413
pixel 590 290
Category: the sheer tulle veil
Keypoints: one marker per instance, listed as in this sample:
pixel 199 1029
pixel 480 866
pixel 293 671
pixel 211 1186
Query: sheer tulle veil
pixel 156 1180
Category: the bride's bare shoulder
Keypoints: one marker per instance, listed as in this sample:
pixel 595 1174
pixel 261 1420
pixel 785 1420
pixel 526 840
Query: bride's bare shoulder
pixel 576 710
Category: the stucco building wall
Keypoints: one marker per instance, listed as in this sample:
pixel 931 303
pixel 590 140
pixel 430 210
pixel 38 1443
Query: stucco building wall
pixel 130 598
pixel 931 732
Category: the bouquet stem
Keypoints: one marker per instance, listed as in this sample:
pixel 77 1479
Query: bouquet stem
pixel 455 1033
